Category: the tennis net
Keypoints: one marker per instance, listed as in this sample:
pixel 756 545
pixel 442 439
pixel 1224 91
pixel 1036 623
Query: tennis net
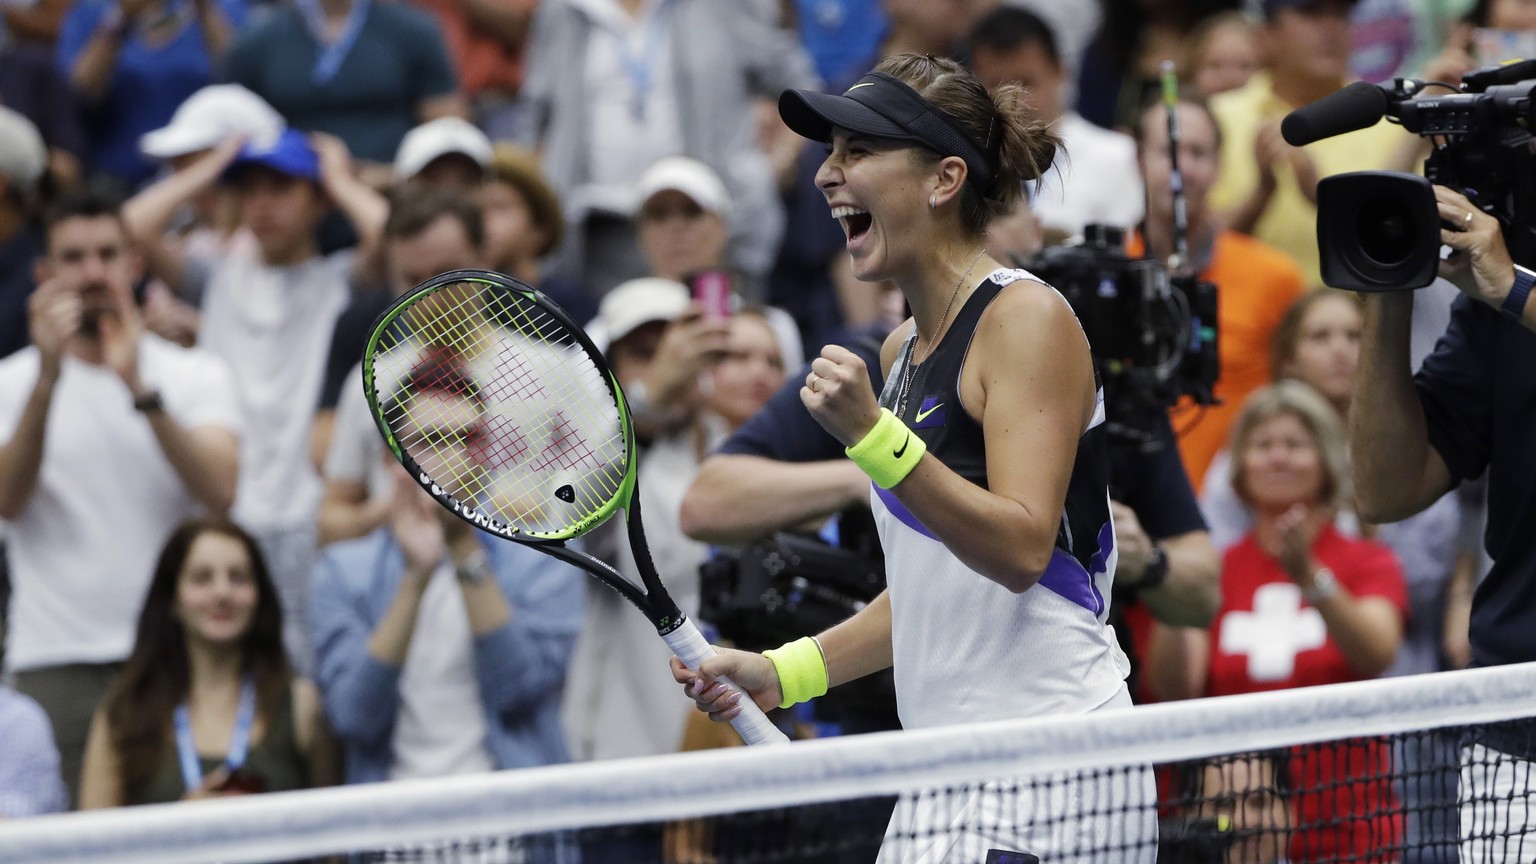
pixel 1425 769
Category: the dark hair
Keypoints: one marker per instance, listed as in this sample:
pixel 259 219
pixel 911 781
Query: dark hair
pixel 1154 100
pixel 1125 25
pixel 1282 345
pixel 1008 28
pixel 87 202
pixel 413 209
pixel 1000 121
pixel 158 675
pixel 1480 14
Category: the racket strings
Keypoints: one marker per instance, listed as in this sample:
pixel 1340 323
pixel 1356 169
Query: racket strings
pixel 517 377
pixel 501 408
pixel 569 448
pixel 501 443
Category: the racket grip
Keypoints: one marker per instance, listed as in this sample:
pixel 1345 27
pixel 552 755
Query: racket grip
pixel 692 648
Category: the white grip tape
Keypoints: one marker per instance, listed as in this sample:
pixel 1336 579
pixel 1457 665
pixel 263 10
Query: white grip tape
pixel 692 648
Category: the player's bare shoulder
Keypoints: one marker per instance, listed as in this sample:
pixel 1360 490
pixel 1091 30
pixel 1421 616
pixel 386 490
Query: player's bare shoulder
pixel 1027 308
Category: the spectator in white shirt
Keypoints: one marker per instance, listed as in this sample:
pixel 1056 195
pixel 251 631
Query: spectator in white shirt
pixel 269 307
pixel 112 436
pixel 1097 179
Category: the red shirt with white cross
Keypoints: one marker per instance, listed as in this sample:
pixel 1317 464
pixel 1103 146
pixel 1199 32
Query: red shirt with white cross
pixel 1267 636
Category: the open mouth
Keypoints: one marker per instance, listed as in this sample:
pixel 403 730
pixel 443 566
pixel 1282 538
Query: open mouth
pixel 855 222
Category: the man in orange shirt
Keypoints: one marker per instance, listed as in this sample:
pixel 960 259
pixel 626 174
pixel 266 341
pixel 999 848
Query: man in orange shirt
pixel 1255 283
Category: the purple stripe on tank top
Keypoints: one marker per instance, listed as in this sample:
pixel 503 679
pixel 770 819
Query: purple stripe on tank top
pixel 1067 578
pixel 902 514
pixel 1063 575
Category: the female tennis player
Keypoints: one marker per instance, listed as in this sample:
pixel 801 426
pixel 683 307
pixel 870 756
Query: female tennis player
pixel 986 450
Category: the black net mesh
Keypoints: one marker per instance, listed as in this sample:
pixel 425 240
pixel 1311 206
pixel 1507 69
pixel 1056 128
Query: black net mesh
pixel 1380 799
pixel 1427 770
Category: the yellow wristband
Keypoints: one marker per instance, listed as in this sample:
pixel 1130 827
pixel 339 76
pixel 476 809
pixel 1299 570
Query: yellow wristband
pixel 889 452
pixel 802 670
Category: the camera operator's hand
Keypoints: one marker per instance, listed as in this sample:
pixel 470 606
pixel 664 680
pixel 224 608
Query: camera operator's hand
pixel 838 394
pixel 752 672
pixel 1134 545
pixel 1478 237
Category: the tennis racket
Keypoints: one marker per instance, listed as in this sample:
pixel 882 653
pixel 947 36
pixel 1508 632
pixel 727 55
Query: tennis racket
pixel 502 408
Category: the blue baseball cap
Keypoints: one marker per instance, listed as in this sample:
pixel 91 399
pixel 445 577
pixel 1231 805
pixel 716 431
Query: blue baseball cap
pixel 289 154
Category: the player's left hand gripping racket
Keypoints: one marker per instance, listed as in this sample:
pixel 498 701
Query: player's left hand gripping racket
pixel 502 408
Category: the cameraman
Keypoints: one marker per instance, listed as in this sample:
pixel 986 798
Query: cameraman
pixel 1470 408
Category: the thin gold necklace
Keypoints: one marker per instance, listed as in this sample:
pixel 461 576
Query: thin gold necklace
pixel 912 362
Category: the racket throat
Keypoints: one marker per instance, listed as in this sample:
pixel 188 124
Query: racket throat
pixel 669 621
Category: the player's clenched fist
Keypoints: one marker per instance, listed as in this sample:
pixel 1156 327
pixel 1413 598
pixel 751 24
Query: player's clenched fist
pixel 838 395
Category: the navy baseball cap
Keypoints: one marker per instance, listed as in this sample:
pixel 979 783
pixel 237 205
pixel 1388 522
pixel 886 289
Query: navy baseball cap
pixel 883 106
pixel 289 154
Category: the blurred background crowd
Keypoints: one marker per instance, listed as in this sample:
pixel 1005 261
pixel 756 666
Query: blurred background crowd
pixel 217 584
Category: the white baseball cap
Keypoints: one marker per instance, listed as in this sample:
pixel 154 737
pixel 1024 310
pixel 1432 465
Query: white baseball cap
pixel 23 156
pixel 210 115
pixel 437 138
pixel 688 176
pixel 635 303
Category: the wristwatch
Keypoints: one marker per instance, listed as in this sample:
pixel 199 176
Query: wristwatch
pixel 148 402
pixel 475 568
pixel 1514 302
pixel 1156 571
pixel 1324 585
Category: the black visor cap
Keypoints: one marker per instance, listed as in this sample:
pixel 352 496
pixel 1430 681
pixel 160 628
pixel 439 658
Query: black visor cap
pixel 882 106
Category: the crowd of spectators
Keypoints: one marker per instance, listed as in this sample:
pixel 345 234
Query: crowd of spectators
pixel 205 203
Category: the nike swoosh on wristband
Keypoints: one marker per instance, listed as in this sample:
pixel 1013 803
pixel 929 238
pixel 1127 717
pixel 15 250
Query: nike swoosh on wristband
pixel 903 450
pixel 923 415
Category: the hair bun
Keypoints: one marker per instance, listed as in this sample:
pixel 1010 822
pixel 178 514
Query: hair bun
pixel 1042 151
pixel 1029 145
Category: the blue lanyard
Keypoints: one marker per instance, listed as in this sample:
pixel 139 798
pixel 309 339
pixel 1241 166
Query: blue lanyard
pixel 329 61
pixel 239 740
pixel 641 67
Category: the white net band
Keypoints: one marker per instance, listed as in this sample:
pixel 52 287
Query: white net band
pixel 421 814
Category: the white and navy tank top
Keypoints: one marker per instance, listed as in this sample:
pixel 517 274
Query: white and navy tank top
pixel 967 649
